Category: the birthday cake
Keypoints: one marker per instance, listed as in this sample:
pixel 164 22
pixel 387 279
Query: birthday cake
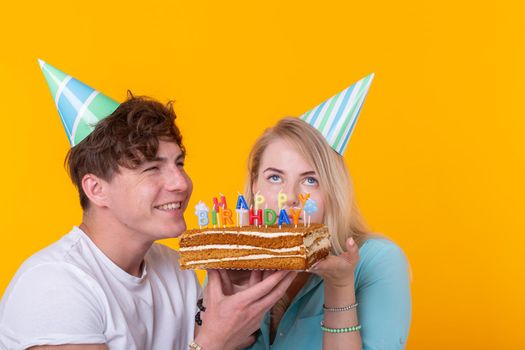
pixel 254 247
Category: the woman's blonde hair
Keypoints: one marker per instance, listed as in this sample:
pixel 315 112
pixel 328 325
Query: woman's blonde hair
pixel 341 214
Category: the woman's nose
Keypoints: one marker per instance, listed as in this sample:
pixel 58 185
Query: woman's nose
pixel 292 195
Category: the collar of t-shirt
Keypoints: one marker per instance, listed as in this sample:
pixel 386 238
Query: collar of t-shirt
pixel 118 272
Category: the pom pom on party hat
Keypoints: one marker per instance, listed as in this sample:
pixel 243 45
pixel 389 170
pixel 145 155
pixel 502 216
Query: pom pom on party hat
pixel 336 117
pixel 80 106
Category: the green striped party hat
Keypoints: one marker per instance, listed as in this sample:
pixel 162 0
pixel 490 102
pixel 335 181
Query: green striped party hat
pixel 336 117
pixel 80 106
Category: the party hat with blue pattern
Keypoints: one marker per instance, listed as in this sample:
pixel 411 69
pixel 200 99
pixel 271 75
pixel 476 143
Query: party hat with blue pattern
pixel 80 106
pixel 336 117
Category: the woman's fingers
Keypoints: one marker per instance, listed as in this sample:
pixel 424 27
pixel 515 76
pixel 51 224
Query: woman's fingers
pixel 338 267
pixel 351 247
pixel 326 264
pixel 351 256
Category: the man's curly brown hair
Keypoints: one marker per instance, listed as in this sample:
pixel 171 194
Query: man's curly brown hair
pixel 126 138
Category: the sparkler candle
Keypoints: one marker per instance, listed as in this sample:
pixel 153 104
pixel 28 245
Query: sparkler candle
pixel 201 210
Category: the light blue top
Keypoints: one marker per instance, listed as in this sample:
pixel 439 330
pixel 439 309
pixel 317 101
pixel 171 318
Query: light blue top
pixel 382 287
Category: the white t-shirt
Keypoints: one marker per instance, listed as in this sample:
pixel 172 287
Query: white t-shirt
pixel 71 293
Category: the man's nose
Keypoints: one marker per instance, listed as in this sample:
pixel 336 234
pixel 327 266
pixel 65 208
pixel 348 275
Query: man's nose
pixel 177 180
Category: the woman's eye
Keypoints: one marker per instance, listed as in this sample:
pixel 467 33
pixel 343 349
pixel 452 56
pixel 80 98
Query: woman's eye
pixel 180 164
pixel 274 178
pixel 153 168
pixel 311 181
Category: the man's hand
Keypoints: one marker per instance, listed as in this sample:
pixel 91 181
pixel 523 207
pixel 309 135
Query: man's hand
pixel 234 281
pixel 231 318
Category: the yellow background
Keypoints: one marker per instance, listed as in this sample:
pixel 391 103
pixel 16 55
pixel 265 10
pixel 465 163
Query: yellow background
pixel 437 155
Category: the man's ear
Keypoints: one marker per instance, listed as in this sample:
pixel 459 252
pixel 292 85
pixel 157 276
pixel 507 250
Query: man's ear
pixel 95 189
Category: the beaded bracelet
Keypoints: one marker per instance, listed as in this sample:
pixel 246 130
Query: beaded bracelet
pixel 338 309
pixel 340 330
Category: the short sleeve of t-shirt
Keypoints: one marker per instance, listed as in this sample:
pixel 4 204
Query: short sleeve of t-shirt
pixel 52 304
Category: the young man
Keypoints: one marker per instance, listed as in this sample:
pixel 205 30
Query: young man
pixel 106 284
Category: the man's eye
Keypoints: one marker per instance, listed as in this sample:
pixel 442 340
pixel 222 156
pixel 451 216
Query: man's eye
pixel 153 168
pixel 180 164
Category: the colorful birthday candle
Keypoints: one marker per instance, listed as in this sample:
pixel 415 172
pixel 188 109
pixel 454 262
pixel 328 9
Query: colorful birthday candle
pixel 201 210
pixel 309 208
pixel 296 214
pixel 303 197
pixel 241 203
pixel 222 203
pixel 240 209
pixel 254 215
pixel 213 216
pixel 226 216
pixel 270 216
pixel 258 200
pixel 281 199
pixel 283 218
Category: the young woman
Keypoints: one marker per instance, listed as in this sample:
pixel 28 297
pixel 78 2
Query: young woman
pixel 357 298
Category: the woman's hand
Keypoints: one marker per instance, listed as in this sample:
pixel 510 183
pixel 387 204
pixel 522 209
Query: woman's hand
pixel 231 318
pixel 338 271
pixel 339 292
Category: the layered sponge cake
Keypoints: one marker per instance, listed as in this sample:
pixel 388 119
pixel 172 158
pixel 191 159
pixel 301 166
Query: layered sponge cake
pixel 253 247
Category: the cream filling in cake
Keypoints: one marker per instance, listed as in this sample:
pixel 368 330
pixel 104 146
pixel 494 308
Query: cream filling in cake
pixel 236 247
pixel 247 257
pixel 322 244
pixel 310 239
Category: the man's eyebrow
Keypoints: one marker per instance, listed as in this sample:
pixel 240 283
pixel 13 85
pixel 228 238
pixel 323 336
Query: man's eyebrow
pixel 165 159
pixel 274 170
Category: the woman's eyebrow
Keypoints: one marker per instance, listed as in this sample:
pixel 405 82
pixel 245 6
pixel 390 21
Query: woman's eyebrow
pixel 308 173
pixel 274 170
